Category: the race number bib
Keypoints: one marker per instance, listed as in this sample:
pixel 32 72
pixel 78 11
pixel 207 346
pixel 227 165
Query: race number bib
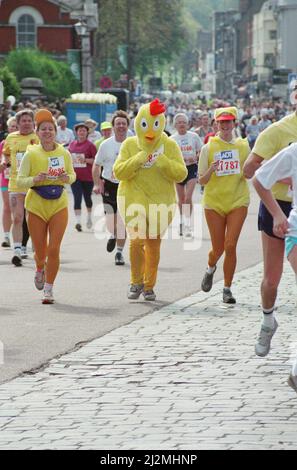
pixel 56 167
pixel 19 158
pixel 77 160
pixel 152 158
pixel 188 152
pixel 229 163
pixel 7 173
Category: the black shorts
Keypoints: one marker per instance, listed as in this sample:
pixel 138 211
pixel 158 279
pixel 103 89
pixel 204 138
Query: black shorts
pixel 265 219
pixel 192 173
pixel 109 197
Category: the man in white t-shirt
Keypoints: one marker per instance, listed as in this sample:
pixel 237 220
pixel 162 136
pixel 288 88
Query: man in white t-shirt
pixel 190 145
pixel 106 184
pixel 64 135
pixel 283 166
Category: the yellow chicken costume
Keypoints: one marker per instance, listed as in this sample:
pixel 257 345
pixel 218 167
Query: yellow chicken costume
pixel 147 167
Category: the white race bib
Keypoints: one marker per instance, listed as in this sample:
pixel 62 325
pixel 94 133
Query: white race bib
pixel 229 163
pixel 76 160
pixel 19 158
pixel 56 166
pixel 153 157
pixel 7 173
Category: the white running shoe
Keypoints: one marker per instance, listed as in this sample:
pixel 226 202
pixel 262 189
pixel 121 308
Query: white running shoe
pixel 292 381
pixel 24 254
pixel 262 347
pixel 39 279
pixel 48 297
pixel 188 233
pixel 89 224
pixel 119 259
pixel 135 291
pixel 149 295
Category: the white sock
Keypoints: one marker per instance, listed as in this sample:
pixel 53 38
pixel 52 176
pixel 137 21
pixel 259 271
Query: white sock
pixel 48 286
pixel 210 269
pixel 17 246
pixel 120 249
pixel 78 219
pixel 188 222
pixel 268 317
pixel 6 234
pixel 227 288
pixel 89 217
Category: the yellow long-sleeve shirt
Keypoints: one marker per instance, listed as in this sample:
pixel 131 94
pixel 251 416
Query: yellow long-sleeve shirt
pixel 147 183
pixel 35 161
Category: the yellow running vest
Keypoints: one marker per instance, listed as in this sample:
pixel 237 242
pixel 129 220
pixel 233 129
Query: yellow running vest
pixel 227 188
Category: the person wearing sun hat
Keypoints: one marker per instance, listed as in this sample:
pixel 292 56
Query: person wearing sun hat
pixel 83 153
pixel 106 131
pixel 226 196
pixel 93 134
pixel 44 170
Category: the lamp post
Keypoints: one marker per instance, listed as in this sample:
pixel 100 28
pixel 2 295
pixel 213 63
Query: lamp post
pixel 83 32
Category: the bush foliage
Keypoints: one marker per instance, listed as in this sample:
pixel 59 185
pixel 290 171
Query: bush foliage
pixel 58 80
pixel 10 83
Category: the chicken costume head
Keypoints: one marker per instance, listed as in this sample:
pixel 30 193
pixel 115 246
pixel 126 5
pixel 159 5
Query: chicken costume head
pixel 149 125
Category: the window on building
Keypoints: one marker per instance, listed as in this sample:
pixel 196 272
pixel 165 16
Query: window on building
pixel 269 61
pixel 26 31
pixel 272 34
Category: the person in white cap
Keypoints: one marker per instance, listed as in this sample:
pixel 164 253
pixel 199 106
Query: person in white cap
pixel 271 141
pixel 190 145
pixel 93 134
pixel 264 121
pixel 64 135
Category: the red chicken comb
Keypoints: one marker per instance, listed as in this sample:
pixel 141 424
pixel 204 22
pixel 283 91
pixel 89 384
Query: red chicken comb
pixel 156 107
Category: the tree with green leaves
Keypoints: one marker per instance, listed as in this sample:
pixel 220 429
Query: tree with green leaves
pixel 135 35
pixel 56 76
pixel 10 83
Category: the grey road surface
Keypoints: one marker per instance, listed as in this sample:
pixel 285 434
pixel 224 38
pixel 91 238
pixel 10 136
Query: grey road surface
pixel 90 290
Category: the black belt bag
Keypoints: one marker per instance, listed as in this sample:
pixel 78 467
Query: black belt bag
pixel 51 191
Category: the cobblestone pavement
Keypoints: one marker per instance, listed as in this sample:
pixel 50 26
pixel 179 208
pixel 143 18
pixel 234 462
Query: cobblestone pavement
pixel 183 377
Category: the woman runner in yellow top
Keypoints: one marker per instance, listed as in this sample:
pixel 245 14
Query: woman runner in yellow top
pixel 226 196
pixel 45 169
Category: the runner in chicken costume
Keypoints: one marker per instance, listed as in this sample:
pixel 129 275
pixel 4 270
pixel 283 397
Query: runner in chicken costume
pixel 147 167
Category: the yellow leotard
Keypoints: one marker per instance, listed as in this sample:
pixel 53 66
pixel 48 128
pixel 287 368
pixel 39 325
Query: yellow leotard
pixel 225 192
pixel 36 160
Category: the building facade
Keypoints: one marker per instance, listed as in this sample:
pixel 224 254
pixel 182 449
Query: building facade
pixel 225 51
pixel 286 13
pixel 45 24
pixel 244 27
pixel 264 44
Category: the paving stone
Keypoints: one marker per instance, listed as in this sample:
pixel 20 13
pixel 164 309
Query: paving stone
pixel 182 377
